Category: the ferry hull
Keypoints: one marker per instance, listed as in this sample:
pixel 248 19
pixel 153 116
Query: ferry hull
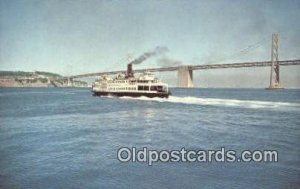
pixel 131 94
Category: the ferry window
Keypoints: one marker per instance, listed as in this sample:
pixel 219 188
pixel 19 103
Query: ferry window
pixel 159 88
pixel 153 88
pixel 143 88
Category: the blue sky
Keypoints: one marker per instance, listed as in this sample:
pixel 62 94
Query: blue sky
pixel 72 37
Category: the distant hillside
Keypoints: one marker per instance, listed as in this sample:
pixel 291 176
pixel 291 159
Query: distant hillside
pixel 48 74
pixel 27 74
pixel 36 79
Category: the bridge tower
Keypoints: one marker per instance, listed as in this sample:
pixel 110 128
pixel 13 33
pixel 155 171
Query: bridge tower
pixel 185 77
pixel 70 82
pixel 48 81
pixel 274 77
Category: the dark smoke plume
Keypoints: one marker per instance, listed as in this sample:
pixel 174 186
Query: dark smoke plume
pixel 168 62
pixel 146 55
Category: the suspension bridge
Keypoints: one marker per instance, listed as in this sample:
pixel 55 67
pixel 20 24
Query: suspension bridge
pixel 185 73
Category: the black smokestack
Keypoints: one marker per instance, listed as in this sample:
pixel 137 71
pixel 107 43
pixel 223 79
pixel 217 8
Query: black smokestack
pixel 146 55
pixel 129 71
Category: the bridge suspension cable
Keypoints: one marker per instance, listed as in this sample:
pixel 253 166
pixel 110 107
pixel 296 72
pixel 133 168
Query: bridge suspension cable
pixel 242 52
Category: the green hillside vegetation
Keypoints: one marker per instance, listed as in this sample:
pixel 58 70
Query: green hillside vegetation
pixel 12 73
pixel 37 78
pixel 42 80
pixel 26 74
pixel 48 74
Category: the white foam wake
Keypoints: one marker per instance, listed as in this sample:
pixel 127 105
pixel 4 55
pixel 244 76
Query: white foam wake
pixel 222 102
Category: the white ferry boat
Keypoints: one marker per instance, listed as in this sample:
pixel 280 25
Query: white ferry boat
pixel 128 85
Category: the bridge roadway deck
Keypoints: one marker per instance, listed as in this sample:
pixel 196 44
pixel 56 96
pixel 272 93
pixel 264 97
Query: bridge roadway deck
pixel 195 67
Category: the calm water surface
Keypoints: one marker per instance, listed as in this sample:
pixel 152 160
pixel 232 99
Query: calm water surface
pixel 66 138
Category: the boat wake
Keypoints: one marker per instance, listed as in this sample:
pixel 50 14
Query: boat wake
pixel 223 102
